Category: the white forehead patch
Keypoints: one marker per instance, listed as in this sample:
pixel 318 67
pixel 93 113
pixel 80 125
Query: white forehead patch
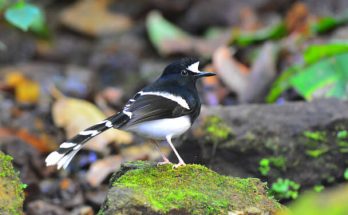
pixel 194 67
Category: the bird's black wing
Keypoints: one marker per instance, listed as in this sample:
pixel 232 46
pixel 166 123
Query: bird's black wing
pixel 152 107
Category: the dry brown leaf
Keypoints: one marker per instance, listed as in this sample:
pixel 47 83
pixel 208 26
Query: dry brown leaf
pixel 94 19
pixel 262 74
pixel 42 143
pixel 297 18
pixel 75 115
pixel 100 169
pixel 231 72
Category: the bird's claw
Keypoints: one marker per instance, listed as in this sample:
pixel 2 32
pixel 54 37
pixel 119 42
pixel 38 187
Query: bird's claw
pixel 163 163
pixel 175 166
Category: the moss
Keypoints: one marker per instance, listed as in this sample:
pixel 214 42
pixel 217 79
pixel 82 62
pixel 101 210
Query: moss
pixel 315 135
pixel 194 188
pixel 317 143
pixel 11 189
pixel 216 129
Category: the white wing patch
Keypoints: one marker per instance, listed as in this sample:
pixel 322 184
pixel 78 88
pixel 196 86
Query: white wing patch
pixel 128 113
pixel 194 67
pixel 89 132
pixel 67 145
pixel 175 98
pixel 107 123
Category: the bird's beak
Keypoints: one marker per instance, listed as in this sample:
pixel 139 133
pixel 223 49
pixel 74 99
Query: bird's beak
pixel 204 74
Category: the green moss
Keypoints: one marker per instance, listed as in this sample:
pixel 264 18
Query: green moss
pixel 194 188
pixel 317 144
pixel 315 135
pixel 315 153
pixel 216 129
pixel 11 189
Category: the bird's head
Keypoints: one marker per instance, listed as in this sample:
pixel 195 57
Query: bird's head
pixel 185 70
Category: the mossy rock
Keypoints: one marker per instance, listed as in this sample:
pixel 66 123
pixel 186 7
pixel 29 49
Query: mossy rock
pixel 143 188
pixel 11 188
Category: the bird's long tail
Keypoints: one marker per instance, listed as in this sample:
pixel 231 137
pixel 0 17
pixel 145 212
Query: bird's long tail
pixel 68 149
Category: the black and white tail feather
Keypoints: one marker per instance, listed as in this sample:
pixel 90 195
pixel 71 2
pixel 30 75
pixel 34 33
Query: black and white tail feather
pixel 67 150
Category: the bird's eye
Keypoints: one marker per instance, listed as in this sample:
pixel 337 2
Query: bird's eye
pixel 184 73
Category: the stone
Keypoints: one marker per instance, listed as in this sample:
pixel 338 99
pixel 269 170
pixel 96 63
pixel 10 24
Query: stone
pixel 304 141
pixel 11 188
pixel 144 188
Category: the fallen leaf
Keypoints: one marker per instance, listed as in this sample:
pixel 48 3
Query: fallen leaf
pixel 75 115
pixel 169 39
pixel 261 76
pixel 232 73
pixel 26 91
pixel 100 169
pixel 93 18
pixel 41 143
pixel 297 18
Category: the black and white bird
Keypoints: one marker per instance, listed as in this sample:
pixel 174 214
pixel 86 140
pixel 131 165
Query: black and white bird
pixel 162 110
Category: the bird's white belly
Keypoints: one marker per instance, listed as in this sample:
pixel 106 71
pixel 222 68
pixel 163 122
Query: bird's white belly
pixel 159 129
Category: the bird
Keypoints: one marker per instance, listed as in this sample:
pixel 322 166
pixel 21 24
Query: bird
pixel 162 110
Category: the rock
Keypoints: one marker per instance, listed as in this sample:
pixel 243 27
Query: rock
pixel 15 46
pixel 40 207
pixel 143 188
pixel 304 141
pixel 11 188
pixel 99 22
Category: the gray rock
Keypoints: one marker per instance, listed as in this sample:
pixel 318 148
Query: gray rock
pixel 307 142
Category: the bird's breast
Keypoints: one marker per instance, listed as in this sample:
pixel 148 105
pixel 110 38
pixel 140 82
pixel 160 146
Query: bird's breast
pixel 159 129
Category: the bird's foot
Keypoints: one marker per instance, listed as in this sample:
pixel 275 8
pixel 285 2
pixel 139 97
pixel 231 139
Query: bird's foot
pixel 181 163
pixel 165 161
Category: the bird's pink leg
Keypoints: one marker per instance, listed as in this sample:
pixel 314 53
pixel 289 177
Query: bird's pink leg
pixel 165 159
pixel 181 161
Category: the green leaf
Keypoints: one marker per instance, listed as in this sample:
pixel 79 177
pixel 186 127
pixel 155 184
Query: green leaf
pixel 273 32
pixel 39 26
pixel 282 83
pixel 318 188
pixel 22 15
pixel 159 30
pixel 326 78
pixel 325 24
pixel 345 175
pixel 316 52
pixel 342 134
pixel 329 23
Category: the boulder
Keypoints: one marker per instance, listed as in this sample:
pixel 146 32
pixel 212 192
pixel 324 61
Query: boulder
pixel 303 141
pixel 144 188
pixel 11 188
